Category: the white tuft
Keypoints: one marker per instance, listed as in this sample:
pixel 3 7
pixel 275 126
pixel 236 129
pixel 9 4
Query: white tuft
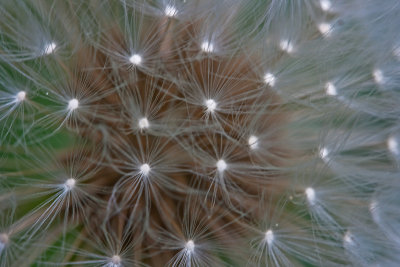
pixel 115 261
pixel 378 76
pixel 325 29
pixel 269 79
pixel 287 46
pixel 69 184
pixel 73 104
pixel 326 5
pixel 135 59
pixel 211 105
pixel 20 96
pixel 170 11
pixel 269 237
pixel 348 238
pixel 393 145
pixel 253 142
pixel 207 47
pixel 145 169
pixel 221 165
pixel 310 194
pixel 330 89
pixel 190 246
pixel 144 123
pixel 49 48
pixel 3 241
pixel 324 153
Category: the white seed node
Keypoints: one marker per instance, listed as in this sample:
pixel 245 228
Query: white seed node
pixel 269 237
pixel 145 169
pixel 20 96
pixel 393 145
pixel 135 59
pixel 348 238
pixel 73 104
pixel 3 241
pixel 378 76
pixel 325 29
pixel 207 47
pixel 211 105
pixel 253 142
pixel 326 5
pixel 190 246
pixel 330 89
pixel 270 79
pixel 287 46
pixel 310 194
pixel 170 11
pixel 324 153
pixel 115 261
pixel 221 165
pixel 49 48
pixel 144 123
pixel 69 184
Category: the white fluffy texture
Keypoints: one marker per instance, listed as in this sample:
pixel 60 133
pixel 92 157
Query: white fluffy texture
pixel 49 48
pixel 145 169
pixel 207 47
pixel 253 142
pixel 190 246
pixel 20 96
pixel 330 89
pixel 269 79
pixel 211 105
pixel 170 11
pixel 135 59
pixel 69 184
pixel 144 123
pixel 73 104
pixel 269 237
pixel 221 165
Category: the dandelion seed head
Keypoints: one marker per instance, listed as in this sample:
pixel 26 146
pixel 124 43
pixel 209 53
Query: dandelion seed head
pixel 325 28
pixel 393 145
pixel 69 184
pixel 21 95
pixel 326 5
pixel 221 165
pixel 378 76
pixel 115 261
pixel 189 246
pixel 73 104
pixel 269 79
pixel 145 169
pixel 310 194
pixel 170 11
pixel 49 48
pixel 269 237
pixel 286 46
pixel 135 59
pixel 253 142
pixel 324 153
pixel 211 105
pixel 207 47
pixel 330 89
pixel 144 123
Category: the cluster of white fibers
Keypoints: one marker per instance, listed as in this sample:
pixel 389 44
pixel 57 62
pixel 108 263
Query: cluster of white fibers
pixel 199 133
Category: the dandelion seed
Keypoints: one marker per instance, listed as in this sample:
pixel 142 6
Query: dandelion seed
pixel 170 11
pixel 211 105
pixel 69 184
pixel 348 239
pixel 393 145
pixel 3 241
pixel 378 76
pixel 135 59
pixel 49 48
pixel 286 46
pixel 324 153
pixel 73 104
pixel 207 47
pixel 310 194
pixel 221 165
pixel 115 261
pixel 190 246
pixel 20 96
pixel 330 89
pixel 325 29
pixel 269 79
pixel 253 142
pixel 325 5
pixel 144 123
pixel 269 237
pixel 145 169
